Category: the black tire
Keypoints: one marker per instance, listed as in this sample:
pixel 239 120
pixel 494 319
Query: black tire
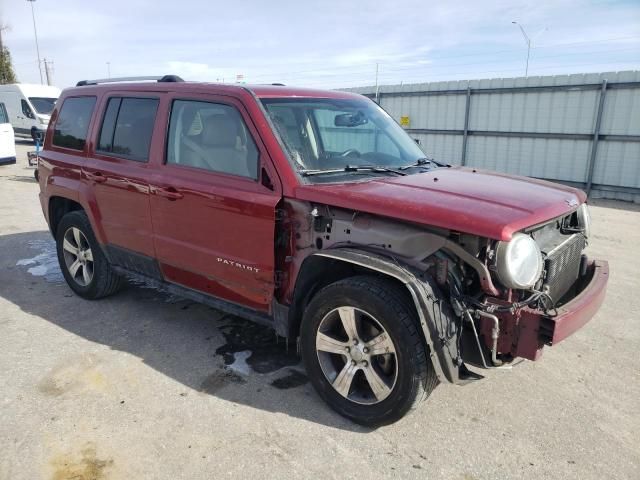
pixel 388 303
pixel 37 137
pixel 105 281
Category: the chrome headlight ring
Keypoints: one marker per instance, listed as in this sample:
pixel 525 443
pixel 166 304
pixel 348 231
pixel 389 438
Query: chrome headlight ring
pixel 519 262
pixel 584 220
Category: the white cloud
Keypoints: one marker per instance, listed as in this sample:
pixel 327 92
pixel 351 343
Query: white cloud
pixel 330 43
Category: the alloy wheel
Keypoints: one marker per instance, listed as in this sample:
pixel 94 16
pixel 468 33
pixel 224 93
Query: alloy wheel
pixel 357 355
pixel 78 257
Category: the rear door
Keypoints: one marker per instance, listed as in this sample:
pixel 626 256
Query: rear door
pixel 7 141
pixel 212 207
pixel 117 168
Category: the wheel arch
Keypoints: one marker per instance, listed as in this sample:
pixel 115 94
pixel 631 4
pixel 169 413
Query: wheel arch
pixel 58 207
pixel 328 266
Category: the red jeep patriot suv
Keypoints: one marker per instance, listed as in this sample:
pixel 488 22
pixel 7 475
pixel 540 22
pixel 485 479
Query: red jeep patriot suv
pixel 315 213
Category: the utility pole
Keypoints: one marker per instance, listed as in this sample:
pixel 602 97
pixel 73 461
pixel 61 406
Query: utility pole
pixel 35 32
pixel 47 71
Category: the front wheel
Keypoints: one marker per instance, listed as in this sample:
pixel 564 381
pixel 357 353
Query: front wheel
pixel 37 136
pixel 363 351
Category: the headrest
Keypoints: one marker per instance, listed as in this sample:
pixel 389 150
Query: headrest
pixel 220 131
pixel 189 113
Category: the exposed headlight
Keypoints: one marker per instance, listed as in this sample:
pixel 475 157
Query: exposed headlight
pixel 519 262
pixel 584 220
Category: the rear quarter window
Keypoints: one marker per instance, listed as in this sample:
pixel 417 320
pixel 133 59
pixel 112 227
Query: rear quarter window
pixel 73 122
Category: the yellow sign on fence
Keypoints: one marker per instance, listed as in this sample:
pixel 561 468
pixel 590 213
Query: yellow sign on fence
pixel 405 121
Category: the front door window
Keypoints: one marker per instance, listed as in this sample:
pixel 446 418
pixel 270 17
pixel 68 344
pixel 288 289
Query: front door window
pixel 211 136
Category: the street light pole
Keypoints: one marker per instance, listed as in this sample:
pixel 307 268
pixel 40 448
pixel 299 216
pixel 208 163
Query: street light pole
pixel 528 41
pixel 35 32
pixel 377 91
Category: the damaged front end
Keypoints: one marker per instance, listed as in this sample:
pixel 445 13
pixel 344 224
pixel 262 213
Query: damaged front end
pixel 481 303
pixel 547 288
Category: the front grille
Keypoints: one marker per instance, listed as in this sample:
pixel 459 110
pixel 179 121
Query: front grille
pixel 562 266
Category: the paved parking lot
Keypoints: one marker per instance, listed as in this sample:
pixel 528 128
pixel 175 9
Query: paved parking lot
pixel 145 385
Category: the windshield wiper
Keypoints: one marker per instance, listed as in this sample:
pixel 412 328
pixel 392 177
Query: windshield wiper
pixel 421 162
pixel 351 168
pixel 418 163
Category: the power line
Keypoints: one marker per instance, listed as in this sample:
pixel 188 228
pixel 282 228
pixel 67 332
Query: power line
pixel 424 77
pixel 452 75
pixel 414 71
pixel 384 67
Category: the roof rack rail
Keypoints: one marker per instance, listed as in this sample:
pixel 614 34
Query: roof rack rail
pixel 278 84
pixel 165 78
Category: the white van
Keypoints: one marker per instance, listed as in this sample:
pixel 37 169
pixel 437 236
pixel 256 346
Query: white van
pixel 7 141
pixel 29 107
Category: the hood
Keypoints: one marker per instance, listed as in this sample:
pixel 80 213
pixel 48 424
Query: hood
pixel 482 203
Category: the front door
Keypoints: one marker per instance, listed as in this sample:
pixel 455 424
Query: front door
pixel 213 213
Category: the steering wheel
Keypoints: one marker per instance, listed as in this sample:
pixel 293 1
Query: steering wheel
pixel 349 152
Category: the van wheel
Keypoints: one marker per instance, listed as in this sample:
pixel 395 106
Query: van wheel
pixel 83 264
pixel 363 351
pixel 37 137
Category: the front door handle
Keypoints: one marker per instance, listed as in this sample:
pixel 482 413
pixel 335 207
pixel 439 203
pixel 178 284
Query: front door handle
pixel 96 177
pixel 168 192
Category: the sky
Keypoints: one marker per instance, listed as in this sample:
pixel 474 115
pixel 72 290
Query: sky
pixel 325 44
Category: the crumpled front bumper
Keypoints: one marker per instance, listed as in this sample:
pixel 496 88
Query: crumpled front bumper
pixel 525 333
pixel 574 314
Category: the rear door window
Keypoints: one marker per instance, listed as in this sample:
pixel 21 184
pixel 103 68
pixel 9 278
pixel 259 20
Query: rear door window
pixel 127 127
pixel 73 122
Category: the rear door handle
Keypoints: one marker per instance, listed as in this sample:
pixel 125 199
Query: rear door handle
pixel 169 192
pixel 96 177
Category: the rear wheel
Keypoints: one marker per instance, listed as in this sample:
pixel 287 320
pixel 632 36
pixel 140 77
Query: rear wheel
pixel 363 351
pixel 83 264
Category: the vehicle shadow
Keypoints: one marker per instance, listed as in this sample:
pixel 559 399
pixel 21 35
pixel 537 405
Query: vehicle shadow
pixel 193 344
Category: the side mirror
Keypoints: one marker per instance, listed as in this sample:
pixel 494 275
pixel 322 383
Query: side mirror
pixel 350 119
pixel 417 140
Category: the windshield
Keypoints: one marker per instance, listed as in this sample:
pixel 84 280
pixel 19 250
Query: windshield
pixel 43 105
pixel 325 135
